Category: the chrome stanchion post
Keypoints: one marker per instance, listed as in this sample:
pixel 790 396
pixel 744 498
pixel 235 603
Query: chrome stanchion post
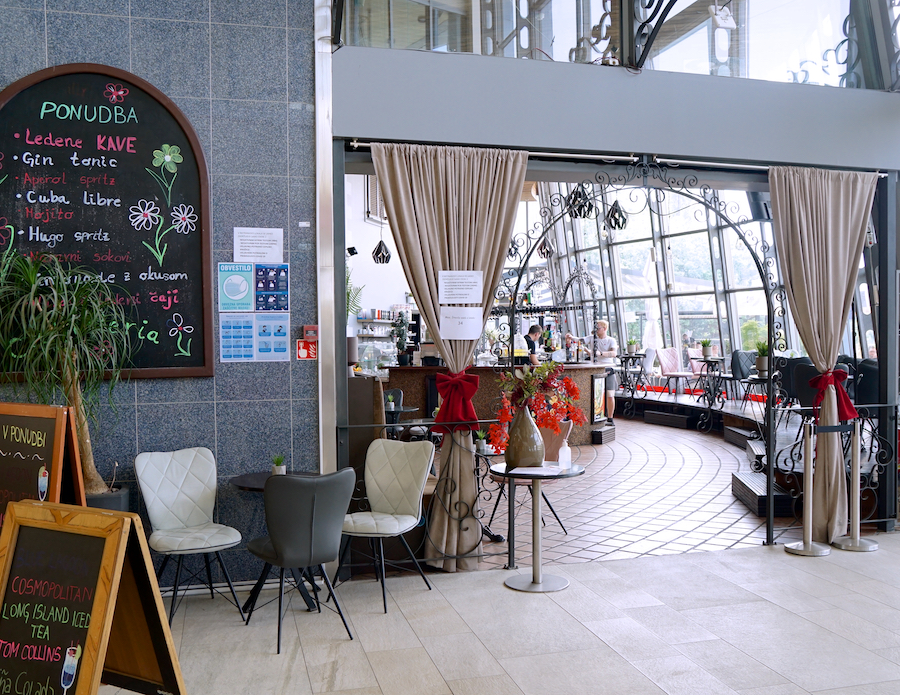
pixel 853 541
pixel 807 546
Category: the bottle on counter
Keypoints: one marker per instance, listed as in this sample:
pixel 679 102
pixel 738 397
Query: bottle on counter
pixel 564 458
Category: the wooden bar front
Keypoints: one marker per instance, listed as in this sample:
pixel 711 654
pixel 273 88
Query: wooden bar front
pixel 413 381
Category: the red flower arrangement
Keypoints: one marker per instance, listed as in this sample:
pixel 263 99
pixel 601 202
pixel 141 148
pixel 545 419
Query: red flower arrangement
pixel 549 395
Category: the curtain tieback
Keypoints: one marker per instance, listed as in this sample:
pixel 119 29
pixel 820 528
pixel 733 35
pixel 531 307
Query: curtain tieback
pixel 457 390
pixel 845 408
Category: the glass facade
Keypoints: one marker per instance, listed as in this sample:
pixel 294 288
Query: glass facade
pixel 839 43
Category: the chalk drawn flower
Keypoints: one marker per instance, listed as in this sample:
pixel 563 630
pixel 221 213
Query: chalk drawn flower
pixel 144 215
pixel 183 218
pixel 177 323
pixel 1 160
pixel 168 156
pixel 6 231
pixel 115 93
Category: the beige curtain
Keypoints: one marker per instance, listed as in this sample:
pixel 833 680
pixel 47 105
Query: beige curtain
pixel 451 208
pixel 819 220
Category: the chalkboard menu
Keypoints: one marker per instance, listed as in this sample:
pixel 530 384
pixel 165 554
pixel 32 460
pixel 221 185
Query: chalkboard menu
pixel 46 610
pixel 100 169
pixel 31 453
pixel 76 585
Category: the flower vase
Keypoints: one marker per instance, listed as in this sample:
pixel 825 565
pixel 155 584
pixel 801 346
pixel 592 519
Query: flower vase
pixel 526 446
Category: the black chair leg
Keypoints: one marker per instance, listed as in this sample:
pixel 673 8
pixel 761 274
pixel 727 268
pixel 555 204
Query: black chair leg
pixel 415 562
pixel 343 553
pixel 280 603
pixel 500 493
pixel 379 565
pixel 162 567
pixel 254 593
pixel 550 507
pixel 175 588
pixel 311 578
pixel 230 585
pixel 212 593
pixel 336 604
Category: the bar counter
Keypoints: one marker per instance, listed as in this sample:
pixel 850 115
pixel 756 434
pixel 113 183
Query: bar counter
pixel 413 382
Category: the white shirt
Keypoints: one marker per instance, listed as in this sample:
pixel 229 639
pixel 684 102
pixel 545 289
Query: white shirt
pixel 606 344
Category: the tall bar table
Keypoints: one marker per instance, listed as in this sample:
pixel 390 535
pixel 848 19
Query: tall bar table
pixel 538 582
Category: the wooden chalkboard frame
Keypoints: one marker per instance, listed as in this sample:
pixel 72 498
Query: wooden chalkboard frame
pixel 207 279
pixel 63 432
pixel 128 643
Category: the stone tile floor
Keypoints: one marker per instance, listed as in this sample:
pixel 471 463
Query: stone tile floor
pixel 653 491
pixel 671 592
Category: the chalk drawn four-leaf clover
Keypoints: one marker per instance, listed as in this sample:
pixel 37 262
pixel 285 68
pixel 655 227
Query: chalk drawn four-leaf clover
pixel 168 156
pixel 144 215
pixel 177 323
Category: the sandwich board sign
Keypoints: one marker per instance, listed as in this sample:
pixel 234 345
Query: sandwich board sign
pixel 79 604
pixel 39 456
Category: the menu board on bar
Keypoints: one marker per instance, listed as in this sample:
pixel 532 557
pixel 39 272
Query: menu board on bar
pixel 100 169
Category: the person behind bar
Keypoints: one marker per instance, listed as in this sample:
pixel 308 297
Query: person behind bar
pixel 604 349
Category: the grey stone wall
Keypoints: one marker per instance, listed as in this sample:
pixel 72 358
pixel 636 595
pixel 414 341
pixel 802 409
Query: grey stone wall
pixel 242 72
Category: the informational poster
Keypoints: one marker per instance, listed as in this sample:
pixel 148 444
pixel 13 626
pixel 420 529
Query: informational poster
pixel 460 287
pixel 461 322
pixel 258 244
pixel 271 283
pixel 236 287
pixel 256 337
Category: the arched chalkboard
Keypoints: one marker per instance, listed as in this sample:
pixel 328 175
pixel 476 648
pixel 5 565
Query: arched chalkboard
pixel 101 169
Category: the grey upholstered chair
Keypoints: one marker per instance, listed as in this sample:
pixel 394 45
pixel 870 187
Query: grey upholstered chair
pixel 304 515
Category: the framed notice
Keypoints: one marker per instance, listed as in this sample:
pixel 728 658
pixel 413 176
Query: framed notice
pixel 100 169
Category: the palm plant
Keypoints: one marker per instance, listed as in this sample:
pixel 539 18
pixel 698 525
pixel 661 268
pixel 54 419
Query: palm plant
pixel 62 335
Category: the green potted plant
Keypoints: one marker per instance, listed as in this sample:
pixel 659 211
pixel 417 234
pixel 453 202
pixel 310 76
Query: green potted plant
pixel 278 467
pixel 62 339
pixel 400 332
pixel 632 345
pixel 480 441
pixel 762 358
pixel 389 402
pixel 706 346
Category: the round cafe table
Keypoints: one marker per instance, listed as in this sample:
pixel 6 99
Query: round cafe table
pixel 538 582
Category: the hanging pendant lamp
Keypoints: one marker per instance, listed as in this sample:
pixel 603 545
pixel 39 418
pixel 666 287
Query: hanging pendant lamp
pixel 381 254
pixel 545 248
pixel 579 203
pixel 615 217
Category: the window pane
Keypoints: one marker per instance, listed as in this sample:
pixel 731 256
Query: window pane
pixel 696 319
pixel 752 318
pixel 690 266
pixel 742 271
pixel 637 273
pixel 679 214
pixel 639 314
pixel 633 204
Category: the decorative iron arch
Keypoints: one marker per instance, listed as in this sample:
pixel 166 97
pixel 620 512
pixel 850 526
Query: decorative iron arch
pixel 641 174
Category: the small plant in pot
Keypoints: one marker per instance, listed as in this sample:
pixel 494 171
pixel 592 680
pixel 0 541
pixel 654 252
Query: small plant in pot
pixel 400 333
pixel 62 339
pixel 632 346
pixel 706 346
pixel 762 358
pixel 481 441
pixel 278 467
pixel 389 402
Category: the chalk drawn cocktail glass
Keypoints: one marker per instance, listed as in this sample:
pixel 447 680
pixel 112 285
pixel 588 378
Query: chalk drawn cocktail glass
pixel 43 479
pixel 70 665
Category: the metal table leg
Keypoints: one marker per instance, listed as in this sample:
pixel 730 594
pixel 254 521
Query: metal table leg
pixel 511 535
pixel 539 582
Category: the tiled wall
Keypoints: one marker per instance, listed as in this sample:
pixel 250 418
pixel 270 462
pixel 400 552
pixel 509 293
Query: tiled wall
pixel 242 72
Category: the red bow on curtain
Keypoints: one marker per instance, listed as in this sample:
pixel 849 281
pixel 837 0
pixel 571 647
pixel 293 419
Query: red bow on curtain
pixel 845 408
pixel 457 390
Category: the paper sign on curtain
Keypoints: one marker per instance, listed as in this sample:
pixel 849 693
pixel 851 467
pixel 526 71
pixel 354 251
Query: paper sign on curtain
pixel 460 287
pixel 461 322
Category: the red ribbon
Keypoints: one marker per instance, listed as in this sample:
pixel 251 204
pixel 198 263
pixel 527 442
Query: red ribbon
pixel 457 390
pixel 845 408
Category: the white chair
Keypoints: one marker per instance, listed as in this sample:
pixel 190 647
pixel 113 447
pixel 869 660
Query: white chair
pixel 395 476
pixel 179 490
